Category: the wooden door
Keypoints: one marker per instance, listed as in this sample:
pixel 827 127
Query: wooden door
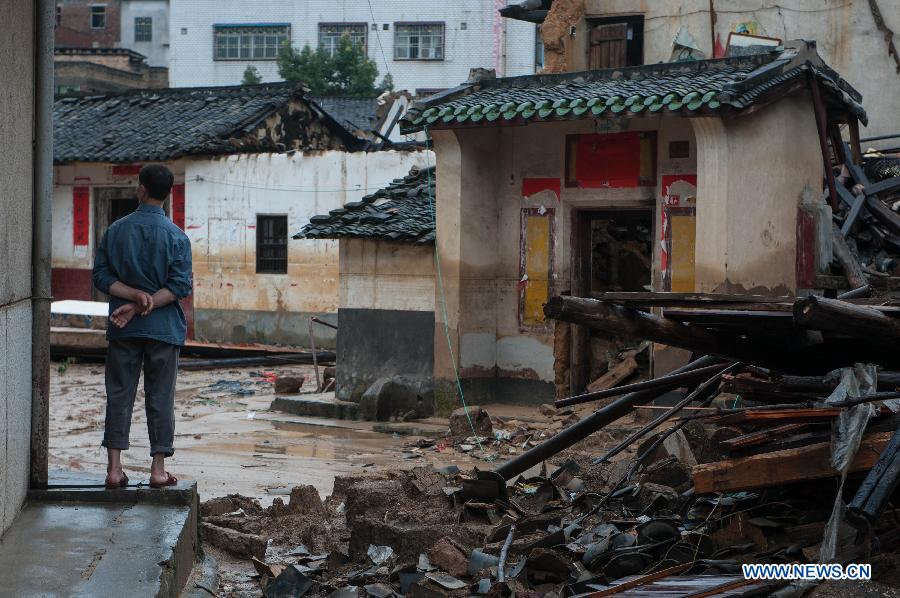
pixel 608 46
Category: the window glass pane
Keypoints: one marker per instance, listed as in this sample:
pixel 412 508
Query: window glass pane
pixel 261 42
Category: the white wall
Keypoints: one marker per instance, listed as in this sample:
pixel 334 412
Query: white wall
pixel 223 197
pixel 486 41
pixel 157 50
pixel 16 172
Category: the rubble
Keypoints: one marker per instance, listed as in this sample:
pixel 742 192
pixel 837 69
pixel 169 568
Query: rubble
pixel 777 427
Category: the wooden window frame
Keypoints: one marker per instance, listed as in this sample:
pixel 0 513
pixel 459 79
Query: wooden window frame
pixel 98 10
pixel 260 245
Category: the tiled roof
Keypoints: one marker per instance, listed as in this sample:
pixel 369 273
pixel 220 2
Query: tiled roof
pixel 402 211
pixel 703 86
pixel 351 113
pixel 163 124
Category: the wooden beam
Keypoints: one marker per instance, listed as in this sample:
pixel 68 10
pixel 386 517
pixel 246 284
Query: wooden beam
pixel 761 437
pixel 853 271
pixel 883 214
pixel 882 186
pixel 782 467
pixel 821 125
pixel 857 321
pixel 853 128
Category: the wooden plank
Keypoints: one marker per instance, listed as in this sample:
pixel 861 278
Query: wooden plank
pixel 760 437
pixel 640 581
pixel 858 203
pixel 733 317
pixel 761 415
pixel 686 299
pixel 857 321
pixel 782 467
pixel 618 374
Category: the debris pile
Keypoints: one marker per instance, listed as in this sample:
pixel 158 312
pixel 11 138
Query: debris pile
pixel 868 218
pixel 781 446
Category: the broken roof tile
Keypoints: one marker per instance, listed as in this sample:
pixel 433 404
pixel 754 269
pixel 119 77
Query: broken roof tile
pixel 402 211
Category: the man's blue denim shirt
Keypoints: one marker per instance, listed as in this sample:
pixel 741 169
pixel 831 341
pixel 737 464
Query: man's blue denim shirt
pixel 146 251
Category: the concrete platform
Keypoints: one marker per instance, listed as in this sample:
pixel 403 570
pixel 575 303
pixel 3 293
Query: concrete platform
pixel 87 541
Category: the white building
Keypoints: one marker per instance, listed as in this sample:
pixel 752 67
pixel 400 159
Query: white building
pixel 145 29
pixel 423 45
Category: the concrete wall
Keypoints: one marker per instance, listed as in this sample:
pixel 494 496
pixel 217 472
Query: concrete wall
pixel 387 318
pixel 156 50
pixel 476 36
pixel 751 174
pixel 223 197
pixel 16 175
pixel 846 34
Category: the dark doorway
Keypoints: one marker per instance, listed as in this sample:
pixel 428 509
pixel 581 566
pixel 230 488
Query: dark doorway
pixel 110 204
pixel 611 251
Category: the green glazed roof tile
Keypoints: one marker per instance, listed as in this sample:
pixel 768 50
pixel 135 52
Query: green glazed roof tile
pixel 735 82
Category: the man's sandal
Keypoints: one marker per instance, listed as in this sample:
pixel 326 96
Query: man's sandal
pixel 170 481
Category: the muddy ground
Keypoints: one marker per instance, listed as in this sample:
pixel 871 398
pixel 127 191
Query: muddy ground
pixel 229 442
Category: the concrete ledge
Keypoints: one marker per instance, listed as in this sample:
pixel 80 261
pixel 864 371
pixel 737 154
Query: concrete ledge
pixel 87 488
pixel 316 407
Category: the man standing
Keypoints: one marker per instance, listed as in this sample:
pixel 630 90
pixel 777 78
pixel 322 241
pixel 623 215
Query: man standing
pixel 144 265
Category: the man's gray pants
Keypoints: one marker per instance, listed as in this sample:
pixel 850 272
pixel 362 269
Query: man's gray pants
pixel 124 360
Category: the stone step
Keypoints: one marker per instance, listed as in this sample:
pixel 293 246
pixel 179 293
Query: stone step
pixel 317 406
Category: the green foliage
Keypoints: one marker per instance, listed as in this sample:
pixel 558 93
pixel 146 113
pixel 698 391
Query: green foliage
pixel 348 73
pixel 387 83
pixel 251 76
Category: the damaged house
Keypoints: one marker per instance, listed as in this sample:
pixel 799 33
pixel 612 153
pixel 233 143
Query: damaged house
pixel 251 163
pixel 679 177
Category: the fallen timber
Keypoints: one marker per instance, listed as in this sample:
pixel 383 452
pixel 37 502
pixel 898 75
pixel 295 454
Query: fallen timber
pixel 587 426
pixel 802 351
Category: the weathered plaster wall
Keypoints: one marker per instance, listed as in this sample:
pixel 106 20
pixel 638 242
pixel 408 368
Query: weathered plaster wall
pixel 387 299
pixel 479 203
pixel 16 175
pixel 751 173
pixel 223 197
pixel 845 32
pixel 386 275
pixel 84 174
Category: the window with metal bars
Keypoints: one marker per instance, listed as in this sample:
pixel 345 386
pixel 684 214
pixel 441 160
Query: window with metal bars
pixel 143 29
pixel 251 42
pixel 271 244
pixel 330 35
pixel 419 41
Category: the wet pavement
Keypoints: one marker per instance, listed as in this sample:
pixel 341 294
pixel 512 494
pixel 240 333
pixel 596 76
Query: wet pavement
pixel 226 438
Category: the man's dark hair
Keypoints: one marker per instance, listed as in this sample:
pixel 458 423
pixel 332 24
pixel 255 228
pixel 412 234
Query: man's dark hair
pixel 157 180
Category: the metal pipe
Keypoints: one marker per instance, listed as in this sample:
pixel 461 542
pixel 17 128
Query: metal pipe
pixel 663 383
pixel 323 323
pixel 672 411
pixel 44 15
pixel 584 428
pixel 312 344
